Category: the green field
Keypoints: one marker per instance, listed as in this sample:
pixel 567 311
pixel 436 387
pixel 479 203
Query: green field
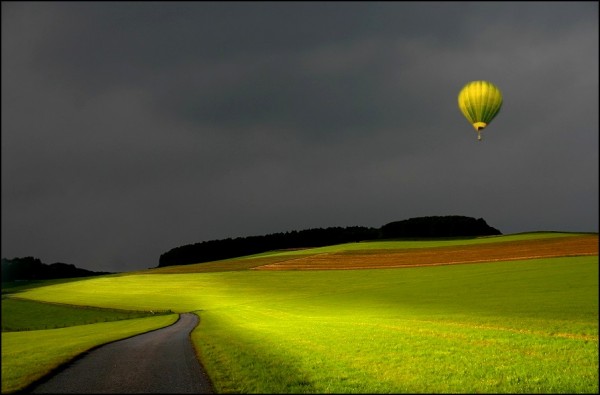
pixel 527 326
pixel 26 315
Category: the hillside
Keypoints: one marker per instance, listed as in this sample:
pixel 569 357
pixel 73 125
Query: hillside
pixel 420 227
pixel 362 330
pixel 390 254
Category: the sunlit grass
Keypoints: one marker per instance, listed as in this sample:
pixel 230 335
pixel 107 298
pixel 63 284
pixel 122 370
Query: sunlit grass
pixel 508 327
pixel 390 355
pixel 28 356
pixel 518 326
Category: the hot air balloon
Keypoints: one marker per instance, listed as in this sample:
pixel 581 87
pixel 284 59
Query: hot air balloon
pixel 480 101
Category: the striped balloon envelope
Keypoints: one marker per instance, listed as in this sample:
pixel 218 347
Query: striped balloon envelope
pixel 480 102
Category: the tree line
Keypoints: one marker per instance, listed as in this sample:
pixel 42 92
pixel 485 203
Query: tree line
pixel 30 268
pixel 420 227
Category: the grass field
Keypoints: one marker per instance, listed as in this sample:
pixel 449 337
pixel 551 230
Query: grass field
pixel 517 326
pixel 27 315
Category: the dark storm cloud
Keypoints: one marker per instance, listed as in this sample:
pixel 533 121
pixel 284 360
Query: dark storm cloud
pixel 132 128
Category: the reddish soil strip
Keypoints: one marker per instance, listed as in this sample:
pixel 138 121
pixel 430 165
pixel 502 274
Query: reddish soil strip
pixel 500 251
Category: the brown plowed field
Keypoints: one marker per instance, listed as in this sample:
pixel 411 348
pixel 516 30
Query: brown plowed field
pixel 499 251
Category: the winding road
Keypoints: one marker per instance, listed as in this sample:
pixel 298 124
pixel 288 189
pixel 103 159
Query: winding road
pixel 162 361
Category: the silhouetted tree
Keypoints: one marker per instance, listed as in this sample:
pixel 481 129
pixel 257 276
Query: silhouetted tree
pixel 438 226
pixel 30 268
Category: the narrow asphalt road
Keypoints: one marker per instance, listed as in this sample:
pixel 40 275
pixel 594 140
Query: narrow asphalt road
pixel 162 361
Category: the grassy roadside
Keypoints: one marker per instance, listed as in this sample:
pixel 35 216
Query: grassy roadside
pixel 29 355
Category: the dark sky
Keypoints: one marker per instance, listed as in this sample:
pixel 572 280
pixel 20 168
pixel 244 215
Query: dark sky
pixel 129 129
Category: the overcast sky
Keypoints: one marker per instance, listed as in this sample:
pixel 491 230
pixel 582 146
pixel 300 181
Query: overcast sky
pixel 129 129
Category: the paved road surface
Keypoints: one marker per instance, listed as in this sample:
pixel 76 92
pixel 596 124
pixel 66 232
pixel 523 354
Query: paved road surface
pixel 162 361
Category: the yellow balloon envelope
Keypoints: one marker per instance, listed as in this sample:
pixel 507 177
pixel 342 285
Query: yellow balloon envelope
pixel 480 101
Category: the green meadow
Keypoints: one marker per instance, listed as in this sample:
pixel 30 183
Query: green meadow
pixel 527 326
pixel 26 315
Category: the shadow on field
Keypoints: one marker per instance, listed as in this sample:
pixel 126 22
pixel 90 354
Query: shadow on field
pixel 248 362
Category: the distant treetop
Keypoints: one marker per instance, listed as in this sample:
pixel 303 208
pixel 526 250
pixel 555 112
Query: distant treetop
pixel 438 226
